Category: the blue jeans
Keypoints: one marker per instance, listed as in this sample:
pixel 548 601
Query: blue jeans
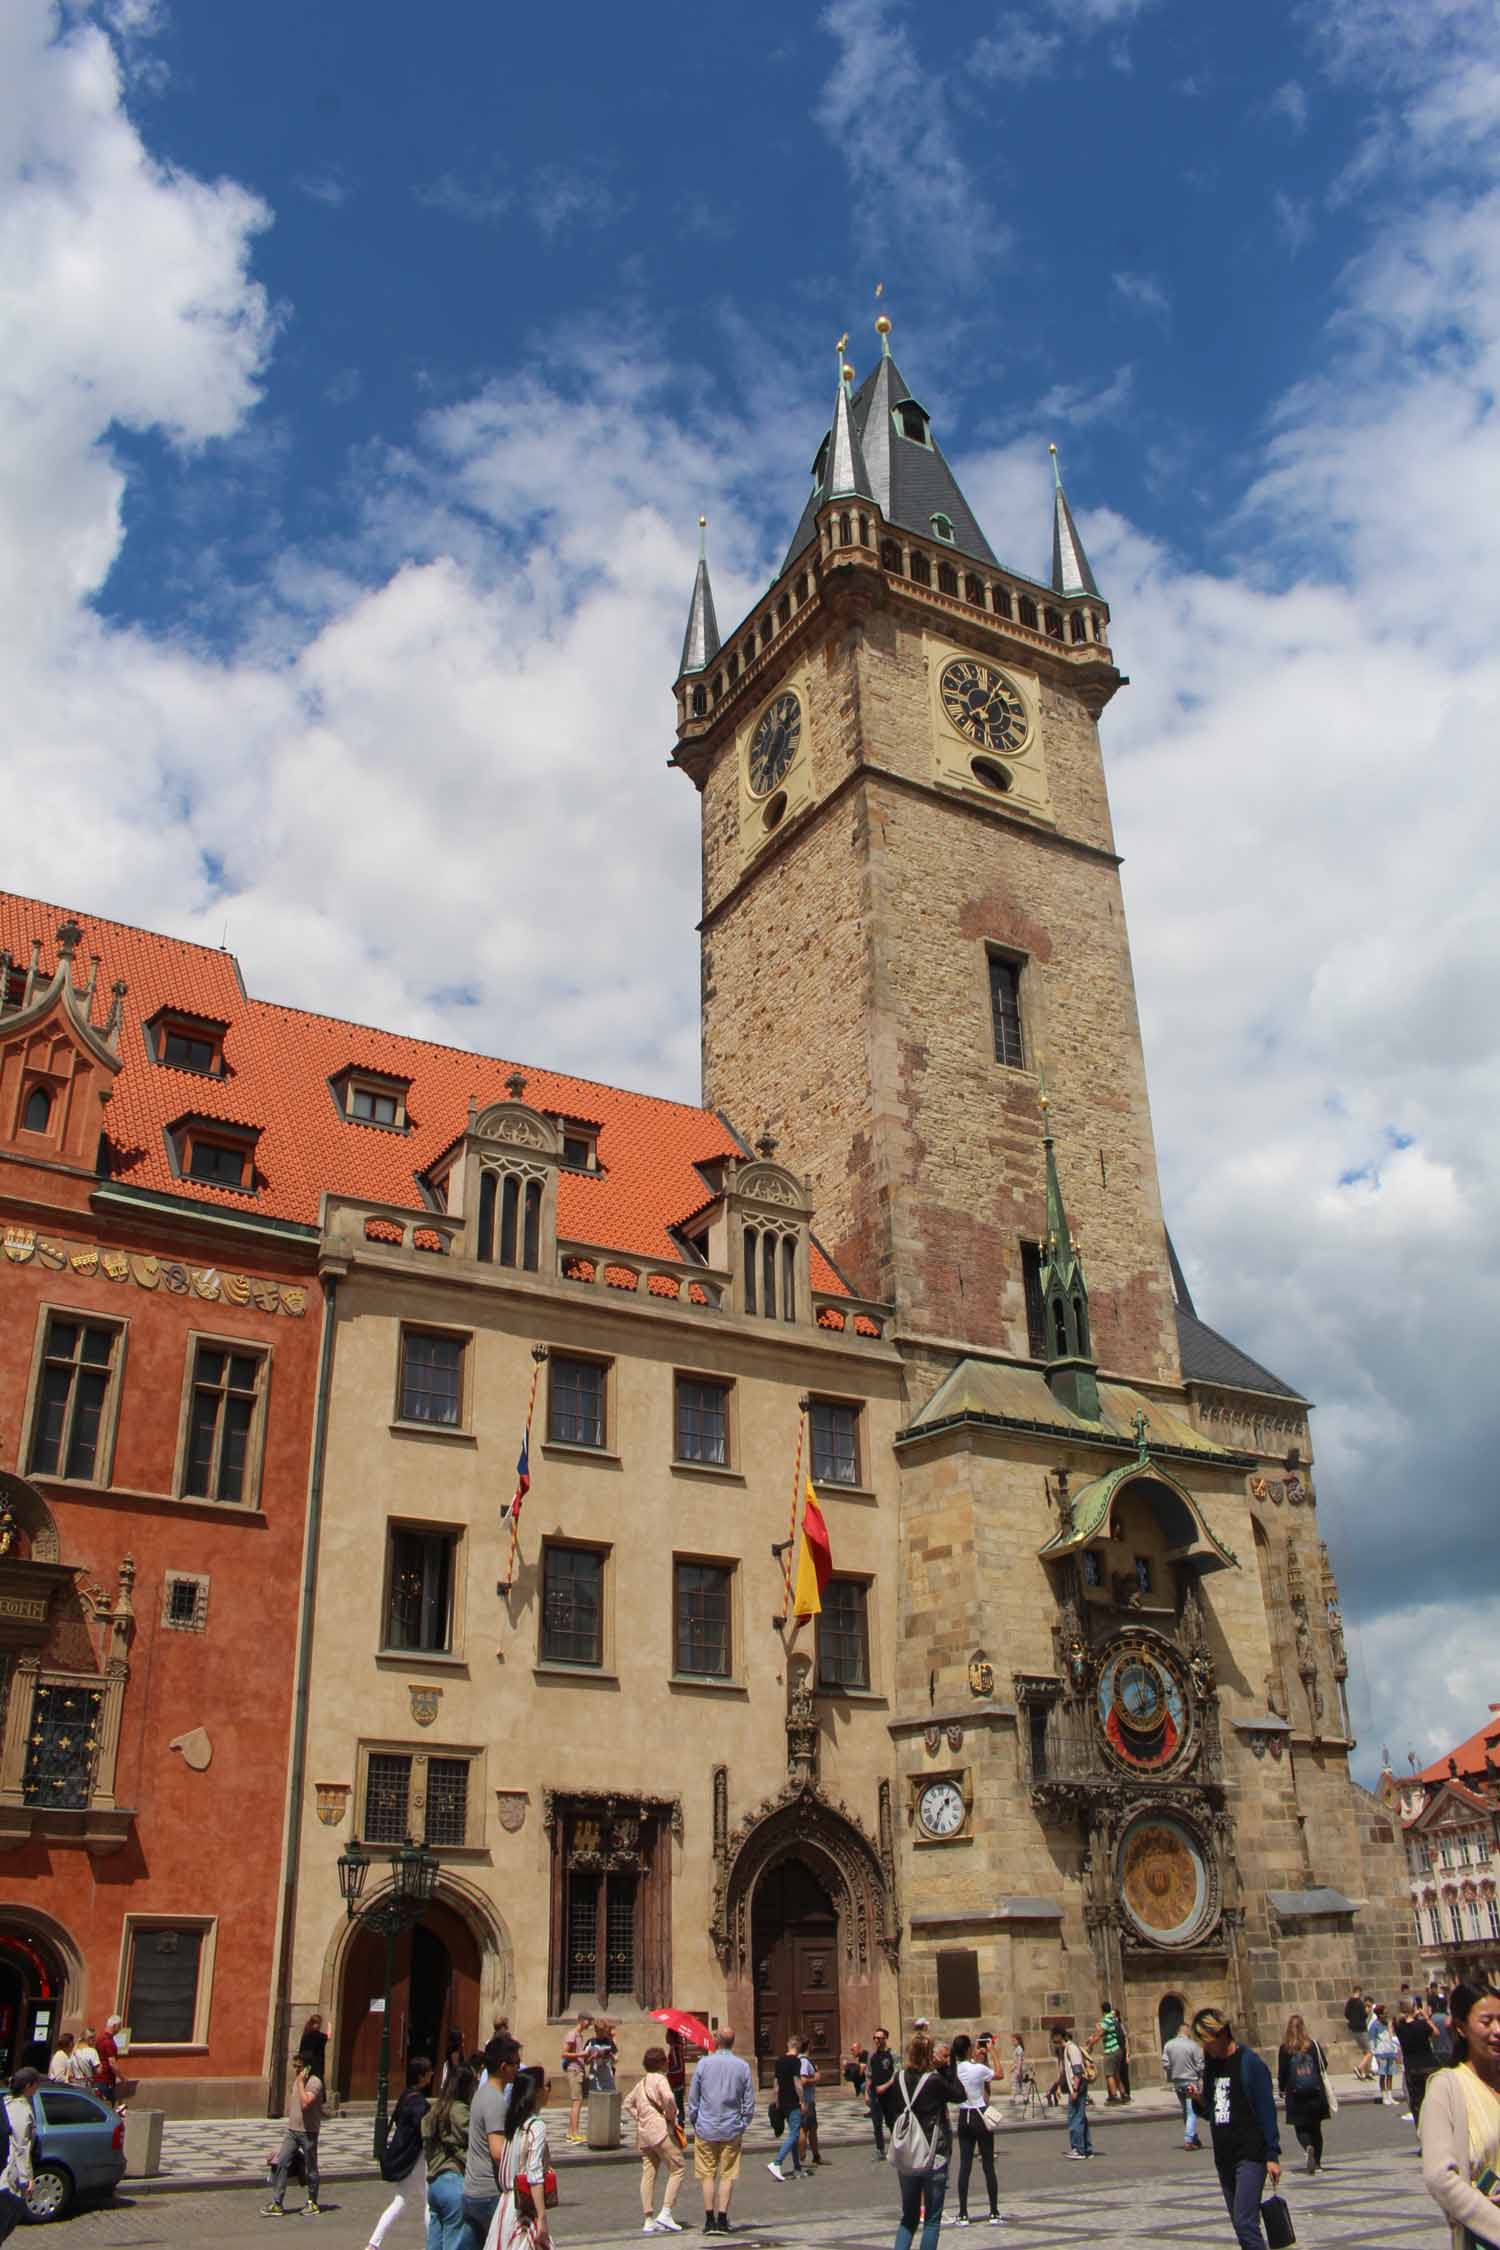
pixel 922 2192
pixel 788 2146
pixel 478 2210
pixel 445 2212
pixel 1078 2122
pixel 1244 2184
pixel 1189 2116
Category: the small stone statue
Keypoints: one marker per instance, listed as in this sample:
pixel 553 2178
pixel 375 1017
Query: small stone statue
pixel 10 1529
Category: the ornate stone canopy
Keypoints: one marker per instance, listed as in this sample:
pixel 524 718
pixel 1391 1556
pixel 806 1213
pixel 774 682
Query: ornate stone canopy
pixel 860 1875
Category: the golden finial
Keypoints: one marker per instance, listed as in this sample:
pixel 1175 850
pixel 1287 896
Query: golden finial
pixel 847 372
pixel 842 343
pixel 1056 471
pixel 703 523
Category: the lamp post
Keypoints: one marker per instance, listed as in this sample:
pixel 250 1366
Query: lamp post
pixel 413 1880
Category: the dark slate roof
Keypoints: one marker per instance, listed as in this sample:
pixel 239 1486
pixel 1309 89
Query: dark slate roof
pixel 911 483
pixel 1070 565
pixel 700 643
pixel 1208 1357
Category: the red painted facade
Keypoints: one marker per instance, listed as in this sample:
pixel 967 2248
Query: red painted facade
pixel 188 1828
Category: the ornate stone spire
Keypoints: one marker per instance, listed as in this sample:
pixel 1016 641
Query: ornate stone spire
pixel 1070 565
pixel 845 475
pixel 1071 1367
pixel 700 643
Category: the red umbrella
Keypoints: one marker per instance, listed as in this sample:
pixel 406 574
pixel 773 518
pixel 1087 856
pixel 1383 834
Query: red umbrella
pixel 689 2026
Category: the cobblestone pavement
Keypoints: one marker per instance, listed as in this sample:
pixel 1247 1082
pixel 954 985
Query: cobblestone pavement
pixel 1141 2194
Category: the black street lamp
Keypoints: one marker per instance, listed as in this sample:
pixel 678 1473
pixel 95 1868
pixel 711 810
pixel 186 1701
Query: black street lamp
pixel 414 1873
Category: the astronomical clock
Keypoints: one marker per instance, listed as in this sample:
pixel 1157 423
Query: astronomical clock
pixel 986 730
pixel 775 768
pixel 1125 1752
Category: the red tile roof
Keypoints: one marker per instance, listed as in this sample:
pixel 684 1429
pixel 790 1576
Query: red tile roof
pixel 1469 1756
pixel 279 1061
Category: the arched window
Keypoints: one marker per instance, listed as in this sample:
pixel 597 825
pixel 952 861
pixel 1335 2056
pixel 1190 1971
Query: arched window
pixel 1077 630
pixel 1054 624
pixel 768 1271
pixel 800 589
pixel 1028 611
pixel 890 555
pixel 942 527
pixel 752 1241
pixel 484 1248
pixel 531 1248
pixel 510 1204
pixel 1060 1329
pixel 1081 1323
pixel 974 590
pixel 1004 606
pixel 846 531
pixel 947 579
pixel 911 421
pixel 734 664
pixel 864 531
pixel 783 610
pixel 36 1117
pixel 700 703
pixel 788 1278
pixel 718 685
pixel 921 568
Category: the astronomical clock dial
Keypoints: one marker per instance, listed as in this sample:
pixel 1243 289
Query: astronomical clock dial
pixel 774 743
pixel 940 1808
pixel 1143 1706
pixel 1165 1880
pixel 984 705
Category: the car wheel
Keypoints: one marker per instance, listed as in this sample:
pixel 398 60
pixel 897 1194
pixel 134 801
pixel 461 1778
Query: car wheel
pixel 51 2194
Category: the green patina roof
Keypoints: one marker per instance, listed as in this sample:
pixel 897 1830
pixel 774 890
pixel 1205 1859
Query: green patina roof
pixel 1092 1505
pixel 998 1392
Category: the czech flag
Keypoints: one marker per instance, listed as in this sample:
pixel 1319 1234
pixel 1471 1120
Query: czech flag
pixel 523 1479
pixel 814 1560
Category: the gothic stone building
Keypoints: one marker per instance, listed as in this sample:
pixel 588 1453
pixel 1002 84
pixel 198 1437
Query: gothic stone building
pixel 1072 1721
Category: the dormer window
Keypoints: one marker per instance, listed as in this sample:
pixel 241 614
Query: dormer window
pixel 213 1153
pixel 942 527
pixel 36 1115
pixel 580 1149
pixel 911 421
pixel 820 466
pixel 369 1097
pixel 184 1042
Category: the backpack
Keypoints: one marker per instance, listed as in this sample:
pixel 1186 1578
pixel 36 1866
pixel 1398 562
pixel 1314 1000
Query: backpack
pixel 403 2144
pixel 1306 2073
pixel 913 2148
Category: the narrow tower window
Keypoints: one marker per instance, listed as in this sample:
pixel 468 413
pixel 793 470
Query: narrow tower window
pixel 1005 1009
pixel 37 1115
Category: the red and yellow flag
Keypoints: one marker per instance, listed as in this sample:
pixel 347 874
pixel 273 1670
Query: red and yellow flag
pixel 814 1560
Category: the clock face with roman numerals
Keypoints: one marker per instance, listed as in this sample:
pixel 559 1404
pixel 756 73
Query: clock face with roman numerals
pixel 774 743
pixel 940 1808
pixel 984 705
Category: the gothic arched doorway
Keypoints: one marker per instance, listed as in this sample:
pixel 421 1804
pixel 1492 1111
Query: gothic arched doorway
pixel 33 1997
pixel 1171 2010
pixel 434 1988
pixel 794 1942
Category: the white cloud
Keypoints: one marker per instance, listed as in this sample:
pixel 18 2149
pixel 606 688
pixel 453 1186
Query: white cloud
pixel 562 197
pixel 1293 217
pixel 480 202
pixel 1017 49
pixel 329 186
pixel 1289 105
pixel 1144 290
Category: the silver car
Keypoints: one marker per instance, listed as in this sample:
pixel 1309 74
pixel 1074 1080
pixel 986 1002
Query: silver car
pixel 79 2150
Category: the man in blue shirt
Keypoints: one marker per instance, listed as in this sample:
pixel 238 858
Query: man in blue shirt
pixel 1238 2101
pixel 721 2104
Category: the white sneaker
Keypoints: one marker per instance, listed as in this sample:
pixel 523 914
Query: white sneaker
pixel 1076 2156
pixel 775 2170
pixel 666 2224
pixel 649 2227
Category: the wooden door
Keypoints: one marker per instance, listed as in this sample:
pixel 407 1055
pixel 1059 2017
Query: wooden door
pixel 795 1933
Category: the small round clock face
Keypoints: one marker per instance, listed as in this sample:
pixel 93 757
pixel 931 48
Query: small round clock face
pixel 984 705
pixel 774 743
pixel 941 1808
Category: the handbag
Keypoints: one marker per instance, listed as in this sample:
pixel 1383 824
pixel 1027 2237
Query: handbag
pixel 526 2195
pixel 992 2115
pixel 1276 2218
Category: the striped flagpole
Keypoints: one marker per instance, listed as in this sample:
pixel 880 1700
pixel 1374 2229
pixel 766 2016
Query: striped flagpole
pixel 538 1360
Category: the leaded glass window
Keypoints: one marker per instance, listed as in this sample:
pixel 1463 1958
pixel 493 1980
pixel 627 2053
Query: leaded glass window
pixel 702 1628
pixel 432 1378
pixel 576 1397
pixel 1005 1008
pixel 834 1431
pixel 387 1797
pixel 419 1610
pixel 62 1745
pixel 843 1635
pixel 572 1605
pixel 447 1801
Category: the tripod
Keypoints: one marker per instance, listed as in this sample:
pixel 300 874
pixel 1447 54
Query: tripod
pixel 1029 2101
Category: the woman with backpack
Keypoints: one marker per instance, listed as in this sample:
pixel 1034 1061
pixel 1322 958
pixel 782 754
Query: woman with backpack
pixel 445 2145
pixel 1302 2082
pixel 915 2107
pixel 401 2160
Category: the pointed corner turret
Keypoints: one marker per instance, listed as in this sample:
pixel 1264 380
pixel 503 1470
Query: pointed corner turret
pixel 1070 565
pixel 845 476
pixel 700 643
pixel 1071 1369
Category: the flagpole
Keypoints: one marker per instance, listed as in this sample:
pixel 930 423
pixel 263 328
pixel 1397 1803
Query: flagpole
pixel 791 1530
pixel 538 1358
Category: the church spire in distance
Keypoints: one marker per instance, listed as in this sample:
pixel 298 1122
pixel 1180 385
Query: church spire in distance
pixel 1070 565
pixel 700 643
pixel 1071 1367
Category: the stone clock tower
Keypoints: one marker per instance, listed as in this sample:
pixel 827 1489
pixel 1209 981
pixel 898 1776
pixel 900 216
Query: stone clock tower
pixel 917 979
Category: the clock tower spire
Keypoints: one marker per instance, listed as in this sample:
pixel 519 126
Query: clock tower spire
pixel 910 884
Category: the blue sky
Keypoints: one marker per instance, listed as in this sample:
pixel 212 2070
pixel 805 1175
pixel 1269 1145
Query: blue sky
pixel 364 372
